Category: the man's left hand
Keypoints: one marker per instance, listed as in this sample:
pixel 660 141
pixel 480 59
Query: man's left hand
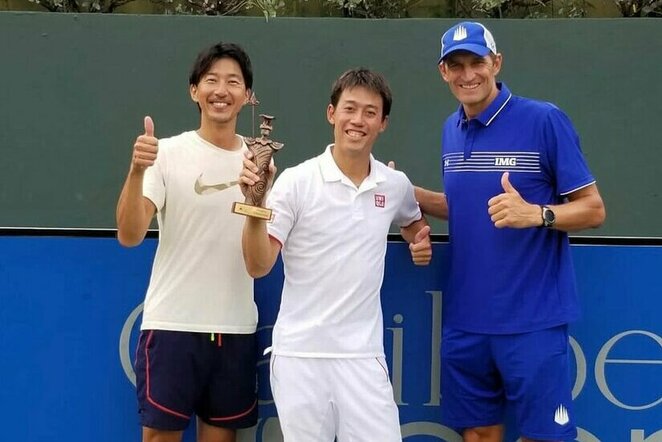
pixel 421 248
pixel 508 209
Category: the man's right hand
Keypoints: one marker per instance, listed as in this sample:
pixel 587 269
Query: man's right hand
pixel 249 175
pixel 145 148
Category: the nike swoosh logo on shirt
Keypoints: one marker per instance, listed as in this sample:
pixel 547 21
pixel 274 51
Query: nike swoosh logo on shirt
pixel 201 188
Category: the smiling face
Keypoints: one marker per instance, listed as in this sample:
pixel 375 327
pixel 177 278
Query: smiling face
pixel 357 120
pixel 472 79
pixel 221 92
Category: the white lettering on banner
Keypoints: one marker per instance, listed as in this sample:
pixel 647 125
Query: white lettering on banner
pixel 268 429
pixel 601 361
pixel 396 371
pixel 580 362
pixel 585 436
pixel 125 337
pixel 435 361
pixel 435 347
pixel 444 434
pixel 638 436
pixel 582 436
pixel 264 361
pixel 250 435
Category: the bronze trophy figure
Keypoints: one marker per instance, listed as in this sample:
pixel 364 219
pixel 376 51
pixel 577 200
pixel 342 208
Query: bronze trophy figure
pixel 262 149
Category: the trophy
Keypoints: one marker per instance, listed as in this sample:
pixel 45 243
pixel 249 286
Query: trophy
pixel 262 149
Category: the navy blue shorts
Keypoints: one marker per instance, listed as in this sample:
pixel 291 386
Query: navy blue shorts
pixel 181 374
pixel 481 374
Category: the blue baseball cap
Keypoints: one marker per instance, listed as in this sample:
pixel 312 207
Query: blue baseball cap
pixel 467 36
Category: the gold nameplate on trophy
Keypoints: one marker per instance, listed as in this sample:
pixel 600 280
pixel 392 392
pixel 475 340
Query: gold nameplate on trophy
pixel 252 211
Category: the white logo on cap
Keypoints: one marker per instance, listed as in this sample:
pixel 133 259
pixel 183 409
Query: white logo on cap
pixel 460 33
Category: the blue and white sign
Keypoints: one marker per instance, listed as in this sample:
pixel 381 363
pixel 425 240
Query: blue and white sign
pixel 70 309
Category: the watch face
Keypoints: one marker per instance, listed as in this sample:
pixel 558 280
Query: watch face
pixel 548 216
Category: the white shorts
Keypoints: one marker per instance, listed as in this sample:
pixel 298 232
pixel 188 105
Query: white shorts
pixel 318 399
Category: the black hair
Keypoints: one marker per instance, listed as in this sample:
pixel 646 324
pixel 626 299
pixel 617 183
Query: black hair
pixel 208 57
pixel 362 77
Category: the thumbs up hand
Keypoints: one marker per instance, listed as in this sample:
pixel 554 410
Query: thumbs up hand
pixel 508 209
pixel 145 148
pixel 505 183
pixel 421 248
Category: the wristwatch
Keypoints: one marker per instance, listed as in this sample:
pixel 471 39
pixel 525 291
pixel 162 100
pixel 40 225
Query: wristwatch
pixel 548 217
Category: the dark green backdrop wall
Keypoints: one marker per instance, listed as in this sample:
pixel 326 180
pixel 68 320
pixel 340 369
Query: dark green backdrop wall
pixel 74 90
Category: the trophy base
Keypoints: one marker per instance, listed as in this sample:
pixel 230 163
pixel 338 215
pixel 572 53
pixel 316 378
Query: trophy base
pixel 252 211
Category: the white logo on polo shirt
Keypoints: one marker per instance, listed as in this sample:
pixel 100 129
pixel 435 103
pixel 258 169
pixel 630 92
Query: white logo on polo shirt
pixel 505 161
pixel 380 200
pixel 460 33
pixel 561 415
pixel 491 161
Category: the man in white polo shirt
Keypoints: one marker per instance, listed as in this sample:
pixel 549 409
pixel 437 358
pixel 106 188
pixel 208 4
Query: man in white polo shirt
pixel 331 218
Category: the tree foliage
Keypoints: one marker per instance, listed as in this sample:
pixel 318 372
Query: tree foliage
pixel 269 8
pixel 639 8
pixel 373 8
pixel 520 8
pixel 106 6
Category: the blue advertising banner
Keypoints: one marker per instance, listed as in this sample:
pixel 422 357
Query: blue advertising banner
pixel 70 310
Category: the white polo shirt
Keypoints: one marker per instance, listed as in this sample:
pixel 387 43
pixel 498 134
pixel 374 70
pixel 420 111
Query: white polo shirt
pixel 334 243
